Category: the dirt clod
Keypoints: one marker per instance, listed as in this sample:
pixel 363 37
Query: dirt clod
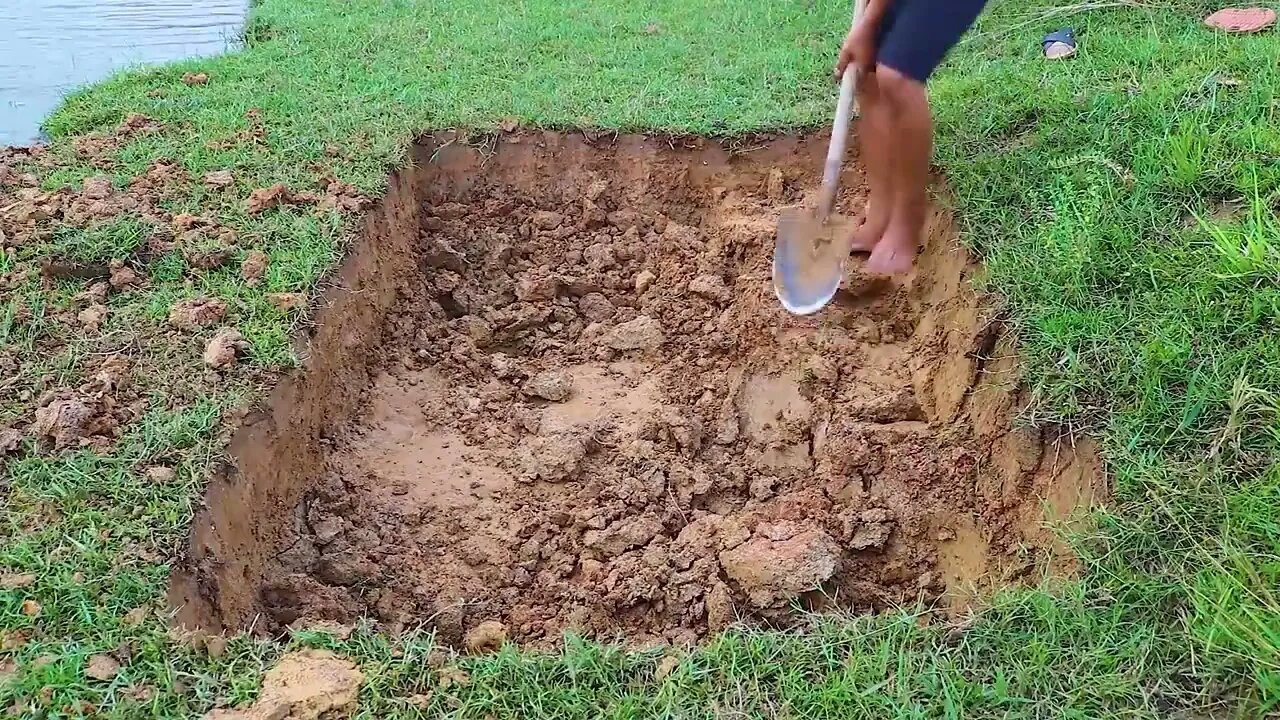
pixel 346 568
pixel 224 348
pixel 195 313
pixel 206 258
pixel 10 441
pixel 870 531
pixel 711 287
pixel 553 458
pixel 135 616
pixel 623 535
pixel 66 421
pixel 267 198
pixel 552 385
pixel 776 185
pixel 102 667
pixel 596 307
pixel 215 646
pixel 92 317
pixel 97 188
pixel 218 178
pixel 287 301
pixel 160 474
pixel 771 572
pixel 546 220
pixel 720 611
pixel 304 685
pixel 538 286
pixel 16 581
pixel 644 280
pixel 666 666
pixel 254 267
pixel 123 276
pixel 643 333
pixel 487 637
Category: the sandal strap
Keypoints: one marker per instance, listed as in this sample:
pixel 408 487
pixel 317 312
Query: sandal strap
pixel 1065 36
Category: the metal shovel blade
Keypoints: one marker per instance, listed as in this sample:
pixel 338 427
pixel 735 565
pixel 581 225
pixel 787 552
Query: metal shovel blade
pixel 808 259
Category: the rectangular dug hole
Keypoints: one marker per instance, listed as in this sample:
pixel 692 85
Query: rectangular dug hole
pixel 552 390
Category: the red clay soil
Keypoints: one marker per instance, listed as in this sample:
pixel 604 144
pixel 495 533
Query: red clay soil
pixel 556 393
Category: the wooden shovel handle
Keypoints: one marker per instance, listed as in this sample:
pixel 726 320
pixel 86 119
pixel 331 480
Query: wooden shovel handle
pixel 839 132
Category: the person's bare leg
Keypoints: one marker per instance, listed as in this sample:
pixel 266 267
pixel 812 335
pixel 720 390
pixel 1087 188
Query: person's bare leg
pixel 874 137
pixel 912 128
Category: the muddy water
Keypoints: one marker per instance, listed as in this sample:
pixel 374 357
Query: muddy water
pixel 51 47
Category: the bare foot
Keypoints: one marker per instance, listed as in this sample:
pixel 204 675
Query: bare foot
pixel 893 256
pixel 872 230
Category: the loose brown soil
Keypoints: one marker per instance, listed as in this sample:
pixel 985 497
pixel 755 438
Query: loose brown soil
pixel 304 685
pixel 553 391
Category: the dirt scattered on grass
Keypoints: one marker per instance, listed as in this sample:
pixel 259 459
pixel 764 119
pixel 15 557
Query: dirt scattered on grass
pixel 91 414
pixel 13 640
pixel 31 220
pixel 206 258
pixel 100 147
pixel 336 195
pixel 589 413
pixel 304 685
pixel 29 214
pixel 141 693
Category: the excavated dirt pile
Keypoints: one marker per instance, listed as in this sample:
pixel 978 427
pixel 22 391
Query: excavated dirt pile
pixel 586 411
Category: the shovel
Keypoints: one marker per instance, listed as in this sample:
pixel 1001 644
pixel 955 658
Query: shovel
pixel 813 245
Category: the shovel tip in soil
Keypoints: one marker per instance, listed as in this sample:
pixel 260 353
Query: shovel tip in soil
pixel 809 259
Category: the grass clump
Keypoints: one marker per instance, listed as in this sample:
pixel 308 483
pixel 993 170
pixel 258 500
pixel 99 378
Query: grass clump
pixel 1123 203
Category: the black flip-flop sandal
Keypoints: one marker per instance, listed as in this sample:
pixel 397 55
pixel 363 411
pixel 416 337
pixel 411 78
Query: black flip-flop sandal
pixel 1059 45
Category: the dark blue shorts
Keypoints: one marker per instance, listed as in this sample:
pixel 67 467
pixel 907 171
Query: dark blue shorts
pixel 916 35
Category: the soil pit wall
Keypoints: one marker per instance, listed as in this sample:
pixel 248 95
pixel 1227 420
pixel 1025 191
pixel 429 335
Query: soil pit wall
pixel 553 389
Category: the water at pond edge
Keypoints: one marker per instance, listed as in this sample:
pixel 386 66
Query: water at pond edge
pixel 49 48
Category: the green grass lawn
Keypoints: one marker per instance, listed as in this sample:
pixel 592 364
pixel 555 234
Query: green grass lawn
pixel 1098 191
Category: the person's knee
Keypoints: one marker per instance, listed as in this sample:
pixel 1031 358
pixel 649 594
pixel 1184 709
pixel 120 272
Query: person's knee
pixel 897 88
